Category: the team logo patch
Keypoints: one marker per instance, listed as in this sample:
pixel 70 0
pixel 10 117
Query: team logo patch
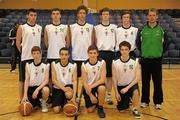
pixel 112 30
pixel 61 29
pixel 132 33
pixel 69 70
pixel 87 29
pixel 130 66
pixel 42 70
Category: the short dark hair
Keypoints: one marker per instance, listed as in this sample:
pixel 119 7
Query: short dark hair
pixel 56 9
pixel 82 7
pixel 35 48
pixel 125 12
pixel 63 48
pixel 152 10
pixel 106 9
pixel 125 43
pixel 31 10
pixel 93 47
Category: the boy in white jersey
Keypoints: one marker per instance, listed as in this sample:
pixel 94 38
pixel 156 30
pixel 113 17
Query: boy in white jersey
pixel 126 32
pixel 93 76
pixel 37 77
pixel 81 38
pixel 64 78
pixel 126 74
pixel 105 41
pixel 28 35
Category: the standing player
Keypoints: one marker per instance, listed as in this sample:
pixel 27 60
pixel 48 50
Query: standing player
pixel 152 42
pixel 126 32
pixel 55 36
pixel 105 36
pixel 126 74
pixel 81 38
pixel 28 35
pixel 94 75
pixel 64 78
pixel 36 80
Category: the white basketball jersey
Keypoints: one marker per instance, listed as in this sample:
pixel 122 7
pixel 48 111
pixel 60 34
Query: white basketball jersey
pixel 56 39
pixel 125 71
pixel 64 74
pixel 81 36
pixel 126 34
pixel 37 73
pixel 105 35
pixel 93 71
pixel 31 36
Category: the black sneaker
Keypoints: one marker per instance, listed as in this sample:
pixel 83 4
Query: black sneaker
pixel 136 114
pixel 101 112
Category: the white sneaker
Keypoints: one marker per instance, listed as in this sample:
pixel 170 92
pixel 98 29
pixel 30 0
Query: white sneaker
pixel 109 99
pixel 158 106
pixel 144 105
pixel 44 105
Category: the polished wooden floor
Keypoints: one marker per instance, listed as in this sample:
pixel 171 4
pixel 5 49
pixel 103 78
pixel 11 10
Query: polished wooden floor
pixel 171 106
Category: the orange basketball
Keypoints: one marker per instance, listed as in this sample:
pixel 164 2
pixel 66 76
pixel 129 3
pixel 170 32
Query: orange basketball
pixel 25 108
pixel 70 109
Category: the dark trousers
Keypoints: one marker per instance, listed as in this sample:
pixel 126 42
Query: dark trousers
pixel 152 67
pixel 14 55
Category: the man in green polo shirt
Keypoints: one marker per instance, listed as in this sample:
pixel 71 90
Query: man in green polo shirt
pixel 152 42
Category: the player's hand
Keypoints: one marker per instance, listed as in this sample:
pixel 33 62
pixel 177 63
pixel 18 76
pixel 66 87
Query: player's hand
pixel 118 97
pixel 24 99
pixel 124 90
pixel 34 96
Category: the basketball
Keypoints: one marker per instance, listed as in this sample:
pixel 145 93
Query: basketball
pixel 70 109
pixel 25 108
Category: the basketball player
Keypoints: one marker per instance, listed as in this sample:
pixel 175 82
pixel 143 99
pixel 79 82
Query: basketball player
pixel 126 74
pixel 93 76
pixel 81 38
pixel 28 35
pixel 64 78
pixel 152 42
pixel 36 80
pixel 105 41
pixel 126 32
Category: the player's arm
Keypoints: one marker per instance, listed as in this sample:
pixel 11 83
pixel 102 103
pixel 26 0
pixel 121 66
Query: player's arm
pixel 68 37
pixel 102 78
pixel 84 79
pixel 45 38
pixel 19 38
pixel 46 78
pixel 55 79
pixel 74 77
pixel 114 78
pixel 26 83
pixel 93 38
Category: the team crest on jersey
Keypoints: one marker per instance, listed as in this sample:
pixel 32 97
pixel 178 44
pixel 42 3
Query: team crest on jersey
pixel 61 29
pixel 131 67
pixel 87 29
pixel 42 70
pixel 38 30
pixel 132 33
pixel 112 30
pixel 69 70
pixel 98 68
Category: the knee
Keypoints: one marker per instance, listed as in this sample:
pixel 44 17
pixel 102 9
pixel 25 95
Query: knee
pixel 101 89
pixel 45 91
pixel 56 109
pixel 135 93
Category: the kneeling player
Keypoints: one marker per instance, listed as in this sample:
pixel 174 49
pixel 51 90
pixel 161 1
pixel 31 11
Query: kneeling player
pixel 126 74
pixel 36 80
pixel 94 75
pixel 64 78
